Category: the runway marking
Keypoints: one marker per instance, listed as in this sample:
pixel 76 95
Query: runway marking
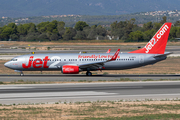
pixel 14 87
pixel 145 95
pixel 51 94
pixel 73 95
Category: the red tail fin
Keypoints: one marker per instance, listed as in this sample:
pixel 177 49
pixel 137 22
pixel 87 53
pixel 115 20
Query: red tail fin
pixel 108 51
pixel 157 44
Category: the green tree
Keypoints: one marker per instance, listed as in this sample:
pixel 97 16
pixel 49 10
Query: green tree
pixel 117 29
pixel 51 27
pixel 136 36
pixel 55 22
pixel 42 26
pixel 129 27
pixel 54 37
pixel 43 37
pixel 148 26
pixel 148 34
pixel 87 30
pixel 32 36
pixel 177 23
pixel 163 20
pixel 60 28
pixel 80 25
pixel 21 30
pixel 156 26
pixel 178 32
pixel 100 31
pixel 123 28
pixel 81 35
pixel 6 32
pixel 93 26
pixel 32 28
pixel 69 34
pixel 173 32
pixel 14 27
pixel 92 34
pixel 14 37
pixel 26 28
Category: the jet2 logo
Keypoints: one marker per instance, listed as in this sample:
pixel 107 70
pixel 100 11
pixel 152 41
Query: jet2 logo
pixel 37 63
pixel 155 39
pixel 150 44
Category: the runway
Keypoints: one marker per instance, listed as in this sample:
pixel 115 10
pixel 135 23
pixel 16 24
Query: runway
pixel 78 77
pixel 50 93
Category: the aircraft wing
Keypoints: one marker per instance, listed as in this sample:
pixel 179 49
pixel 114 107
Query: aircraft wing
pixel 92 65
pixel 97 65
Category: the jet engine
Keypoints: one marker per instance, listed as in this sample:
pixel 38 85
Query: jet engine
pixel 70 69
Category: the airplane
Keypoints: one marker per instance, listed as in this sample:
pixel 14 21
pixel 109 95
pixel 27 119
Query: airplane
pixel 74 63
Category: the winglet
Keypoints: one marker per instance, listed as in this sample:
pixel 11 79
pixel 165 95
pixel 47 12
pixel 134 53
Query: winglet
pixel 115 55
pixel 108 51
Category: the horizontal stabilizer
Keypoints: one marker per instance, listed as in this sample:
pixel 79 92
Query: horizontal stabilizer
pixel 165 54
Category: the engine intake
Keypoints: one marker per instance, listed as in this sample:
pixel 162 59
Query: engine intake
pixel 70 69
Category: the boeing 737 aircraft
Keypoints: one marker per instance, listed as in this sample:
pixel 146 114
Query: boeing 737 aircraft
pixel 153 52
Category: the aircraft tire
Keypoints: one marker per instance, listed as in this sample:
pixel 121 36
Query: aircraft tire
pixel 88 74
pixel 21 74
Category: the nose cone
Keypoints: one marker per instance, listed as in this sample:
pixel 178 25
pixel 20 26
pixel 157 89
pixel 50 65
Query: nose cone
pixel 7 64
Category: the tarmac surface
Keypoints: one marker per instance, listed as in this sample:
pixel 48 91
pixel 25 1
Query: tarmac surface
pixel 80 77
pixel 50 93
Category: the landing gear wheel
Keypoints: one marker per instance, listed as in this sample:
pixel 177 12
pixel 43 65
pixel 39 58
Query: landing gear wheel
pixel 88 74
pixel 21 74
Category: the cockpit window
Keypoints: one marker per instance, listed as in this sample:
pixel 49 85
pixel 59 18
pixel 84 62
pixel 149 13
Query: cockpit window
pixel 14 59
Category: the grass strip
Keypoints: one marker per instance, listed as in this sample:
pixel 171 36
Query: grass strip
pixel 144 117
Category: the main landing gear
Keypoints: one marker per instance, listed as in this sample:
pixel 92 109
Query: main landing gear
pixel 88 73
pixel 21 74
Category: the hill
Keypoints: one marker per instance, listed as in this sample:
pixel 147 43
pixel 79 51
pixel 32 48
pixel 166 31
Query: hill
pixel 28 8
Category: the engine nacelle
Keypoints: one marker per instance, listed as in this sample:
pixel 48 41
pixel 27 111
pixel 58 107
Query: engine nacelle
pixel 70 69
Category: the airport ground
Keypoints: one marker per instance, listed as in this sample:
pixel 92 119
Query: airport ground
pixel 101 96
pixel 137 101
pixel 100 110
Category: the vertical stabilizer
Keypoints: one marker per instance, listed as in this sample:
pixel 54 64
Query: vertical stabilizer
pixel 157 44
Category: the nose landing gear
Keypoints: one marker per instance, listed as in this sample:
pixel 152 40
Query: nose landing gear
pixel 21 74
